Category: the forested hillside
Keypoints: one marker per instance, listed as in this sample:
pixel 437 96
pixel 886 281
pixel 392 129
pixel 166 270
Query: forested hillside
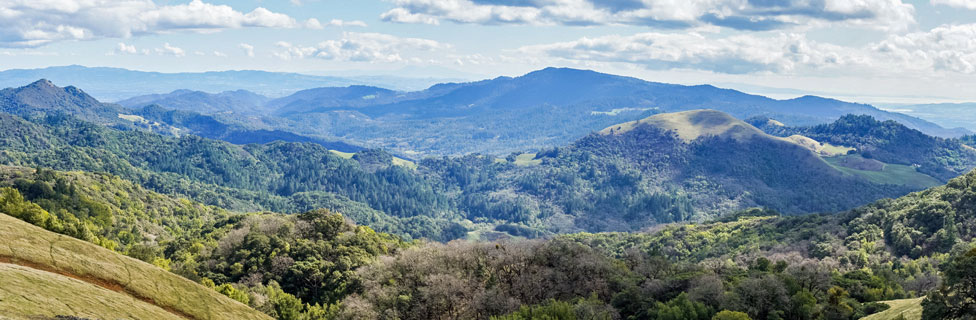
pixel 889 142
pixel 751 265
pixel 274 263
pixel 667 169
pixel 754 263
pixel 627 180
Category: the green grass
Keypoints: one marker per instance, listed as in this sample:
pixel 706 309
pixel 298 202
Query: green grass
pixel 690 125
pixel 527 159
pixel 910 308
pixel 890 174
pixel 344 155
pixel 833 150
pixel 38 265
pixel 396 161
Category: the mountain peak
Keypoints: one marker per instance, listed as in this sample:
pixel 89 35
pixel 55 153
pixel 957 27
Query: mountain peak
pixel 694 124
pixel 42 83
pixel 45 95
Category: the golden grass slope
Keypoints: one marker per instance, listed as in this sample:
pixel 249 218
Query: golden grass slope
pixel 27 292
pixel 691 125
pixel 38 266
pixel 911 309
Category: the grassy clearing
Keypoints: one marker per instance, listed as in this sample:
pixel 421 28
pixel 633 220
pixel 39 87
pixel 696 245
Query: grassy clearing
pixel 344 155
pixel 890 174
pixel 396 161
pixel 911 309
pixel 832 150
pixel 26 245
pixel 523 160
pixel 527 159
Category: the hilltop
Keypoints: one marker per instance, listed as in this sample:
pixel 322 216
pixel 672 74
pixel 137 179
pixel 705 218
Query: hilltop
pixel 694 124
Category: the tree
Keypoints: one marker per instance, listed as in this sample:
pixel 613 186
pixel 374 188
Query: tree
pixel 956 299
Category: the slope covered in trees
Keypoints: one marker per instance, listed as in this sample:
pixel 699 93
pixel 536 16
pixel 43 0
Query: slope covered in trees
pixel 751 265
pixel 318 265
pixel 286 266
pixel 283 177
pixel 889 142
pixel 626 180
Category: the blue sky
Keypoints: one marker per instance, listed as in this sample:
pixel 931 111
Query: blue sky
pixel 860 50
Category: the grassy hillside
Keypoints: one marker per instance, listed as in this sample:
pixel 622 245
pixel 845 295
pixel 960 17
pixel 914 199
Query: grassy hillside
pixel 694 124
pixel 32 293
pixel 39 263
pixel 889 173
pixel 889 142
pixel 908 309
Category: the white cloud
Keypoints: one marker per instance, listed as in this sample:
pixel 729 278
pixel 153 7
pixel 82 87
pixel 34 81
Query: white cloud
pixel 351 23
pixel 967 4
pixel 941 50
pixel 219 54
pixel 248 49
pixel 313 24
pixel 781 53
pixel 362 47
pixel 124 48
pixel 944 48
pixel 736 14
pixel 168 49
pixel 32 23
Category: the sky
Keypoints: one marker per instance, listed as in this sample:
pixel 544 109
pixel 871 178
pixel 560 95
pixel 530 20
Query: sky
pixel 896 51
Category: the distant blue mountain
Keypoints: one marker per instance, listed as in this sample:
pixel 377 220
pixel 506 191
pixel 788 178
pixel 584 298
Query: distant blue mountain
pixel 541 109
pixel 325 99
pixel 239 101
pixel 115 84
pixel 545 108
pixel 43 98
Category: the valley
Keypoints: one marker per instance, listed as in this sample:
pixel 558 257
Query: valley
pixel 670 213
pixel 488 160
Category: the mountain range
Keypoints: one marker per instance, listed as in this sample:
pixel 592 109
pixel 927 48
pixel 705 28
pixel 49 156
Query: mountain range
pixel 669 167
pixel 545 108
pixel 663 202
pixel 114 84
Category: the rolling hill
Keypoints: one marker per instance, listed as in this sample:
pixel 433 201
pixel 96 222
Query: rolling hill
pixel 692 125
pixel 43 274
pixel 632 179
pixel 665 168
